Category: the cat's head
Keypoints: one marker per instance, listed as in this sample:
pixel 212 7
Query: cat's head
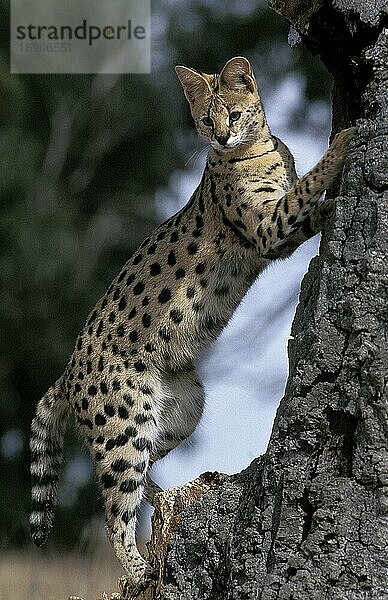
pixel 226 108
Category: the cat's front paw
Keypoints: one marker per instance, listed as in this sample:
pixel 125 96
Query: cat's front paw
pixel 321 214
pixel 342 139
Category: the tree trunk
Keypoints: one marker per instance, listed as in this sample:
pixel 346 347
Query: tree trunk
pixel 308 520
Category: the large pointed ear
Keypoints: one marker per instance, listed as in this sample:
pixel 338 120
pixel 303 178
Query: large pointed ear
pixel 237 75
pixel 194 84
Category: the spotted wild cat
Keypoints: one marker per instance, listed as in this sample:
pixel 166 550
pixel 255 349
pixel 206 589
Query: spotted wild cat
pixel 131 380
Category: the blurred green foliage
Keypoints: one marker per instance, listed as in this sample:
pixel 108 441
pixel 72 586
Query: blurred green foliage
pixel 81 159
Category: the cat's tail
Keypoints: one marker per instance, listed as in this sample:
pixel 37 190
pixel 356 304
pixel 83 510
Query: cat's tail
pixel 46 445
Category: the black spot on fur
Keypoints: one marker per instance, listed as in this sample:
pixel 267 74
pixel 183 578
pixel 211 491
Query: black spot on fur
pixel 120 465
pixel 132 314
pixel 140 419
pixel 176 315
pixel 164 334
pixel 155 269
pixel 108 480
pixel 140 467
pixel 139 366
pixel 122 412
pixel 131 431
pixel 120 330
pixel 99 328
pixel 152 249
pixel 146 390
pixel 127 516
pixel 198 306
pixel 131 279
pixel 128 400
pixel 129 485
pixel 100 420
pixel 199 221
pixel 164 296
pixel 121 276
pixel 109 410
pixel 190 292
pixel 133 336
pixel 142 444
pixel 171 259
pixel 92 317
pixel 122 303
pixel 146 320
pixel 138 288
pixel 192 248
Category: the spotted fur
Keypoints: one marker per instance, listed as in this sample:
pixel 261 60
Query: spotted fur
pixel 131 381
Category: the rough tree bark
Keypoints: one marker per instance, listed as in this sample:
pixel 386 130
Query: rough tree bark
pixel 308 520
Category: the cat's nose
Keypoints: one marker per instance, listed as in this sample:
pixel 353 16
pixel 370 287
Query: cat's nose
pixel 222 138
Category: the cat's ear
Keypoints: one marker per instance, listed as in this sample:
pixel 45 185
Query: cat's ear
pixel 194 84
pixel 237 75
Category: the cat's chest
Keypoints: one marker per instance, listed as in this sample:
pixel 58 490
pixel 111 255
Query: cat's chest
pixel 235 179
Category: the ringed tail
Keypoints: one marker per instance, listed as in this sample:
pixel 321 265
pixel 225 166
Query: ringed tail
pixel 46 445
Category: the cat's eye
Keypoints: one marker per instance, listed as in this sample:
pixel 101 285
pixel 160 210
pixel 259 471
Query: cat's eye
pixel 234 116
pixel 207 121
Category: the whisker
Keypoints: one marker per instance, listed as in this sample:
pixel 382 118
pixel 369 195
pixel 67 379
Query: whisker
pixel 191 157
pixel 196 155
